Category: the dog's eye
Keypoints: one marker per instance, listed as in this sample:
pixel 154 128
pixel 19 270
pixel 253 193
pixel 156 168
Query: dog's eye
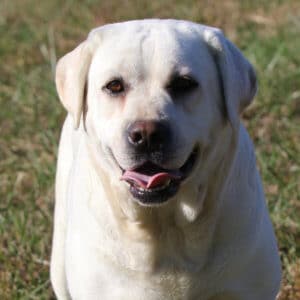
pixel 181 85
pixel 115 86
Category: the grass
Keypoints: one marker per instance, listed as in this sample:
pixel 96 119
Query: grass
pixel 34 34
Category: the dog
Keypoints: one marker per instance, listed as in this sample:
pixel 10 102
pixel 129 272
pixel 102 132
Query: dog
pixel 157 191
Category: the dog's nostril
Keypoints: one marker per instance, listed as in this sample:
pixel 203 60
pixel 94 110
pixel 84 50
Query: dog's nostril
pixel 148 135
pixel 137 133
pixel 136 137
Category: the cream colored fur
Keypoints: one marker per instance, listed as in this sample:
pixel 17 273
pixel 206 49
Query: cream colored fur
pixel 213 240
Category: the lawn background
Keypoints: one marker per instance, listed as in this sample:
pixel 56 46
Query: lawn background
pixel 34 34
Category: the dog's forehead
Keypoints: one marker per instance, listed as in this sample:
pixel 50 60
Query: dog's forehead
pixel 141 28
pixel 155 44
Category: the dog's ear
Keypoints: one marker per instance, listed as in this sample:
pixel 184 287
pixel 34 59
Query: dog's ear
pixel 237 76
pixel 71 78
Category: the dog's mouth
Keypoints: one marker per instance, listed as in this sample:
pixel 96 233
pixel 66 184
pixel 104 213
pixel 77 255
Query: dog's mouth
pixel 151 184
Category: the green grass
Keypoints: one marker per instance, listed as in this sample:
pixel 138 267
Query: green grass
pixel 34 34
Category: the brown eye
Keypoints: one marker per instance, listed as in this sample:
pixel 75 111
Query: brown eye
pixel 181 85
pixel 115 86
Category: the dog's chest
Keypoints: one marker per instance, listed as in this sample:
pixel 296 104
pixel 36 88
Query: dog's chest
pixel 102 279
pixel 139 273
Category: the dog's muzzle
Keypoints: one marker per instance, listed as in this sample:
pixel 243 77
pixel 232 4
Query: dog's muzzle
pixel 149 143
pixel 149 182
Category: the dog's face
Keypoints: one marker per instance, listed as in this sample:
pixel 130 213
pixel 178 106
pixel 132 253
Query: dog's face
pixel 158 98
pixel 153 103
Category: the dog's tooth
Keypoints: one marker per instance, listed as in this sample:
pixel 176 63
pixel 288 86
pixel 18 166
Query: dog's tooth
pixel 155 189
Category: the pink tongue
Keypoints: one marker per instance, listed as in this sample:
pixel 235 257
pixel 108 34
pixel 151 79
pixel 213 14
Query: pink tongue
pixel 146 181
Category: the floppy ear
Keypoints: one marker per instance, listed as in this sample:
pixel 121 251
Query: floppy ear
pixel 237 75
pixel 71 77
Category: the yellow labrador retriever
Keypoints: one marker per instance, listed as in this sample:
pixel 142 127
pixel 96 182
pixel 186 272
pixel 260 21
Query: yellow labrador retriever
pixel 157 192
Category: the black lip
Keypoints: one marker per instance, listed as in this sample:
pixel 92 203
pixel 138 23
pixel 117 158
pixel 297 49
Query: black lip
pixel 150 197
pixel 188 166
pixel 153 196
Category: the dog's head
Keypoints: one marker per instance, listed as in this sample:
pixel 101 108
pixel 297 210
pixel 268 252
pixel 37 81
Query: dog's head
pixel 156 96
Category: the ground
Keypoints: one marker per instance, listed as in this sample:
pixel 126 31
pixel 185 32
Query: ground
pixel 34 34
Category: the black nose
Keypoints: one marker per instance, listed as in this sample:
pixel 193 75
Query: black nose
pixel 149 135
